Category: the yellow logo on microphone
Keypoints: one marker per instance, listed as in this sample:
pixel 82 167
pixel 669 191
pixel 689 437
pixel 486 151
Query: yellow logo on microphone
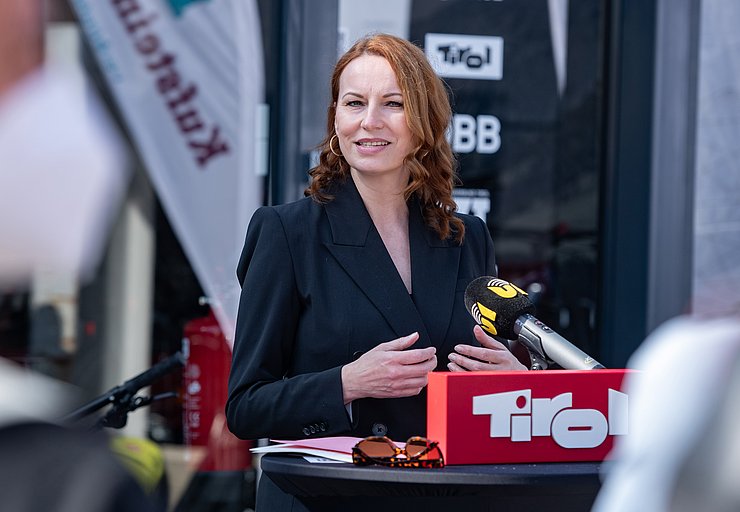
pixel 485 317
pixel 504 289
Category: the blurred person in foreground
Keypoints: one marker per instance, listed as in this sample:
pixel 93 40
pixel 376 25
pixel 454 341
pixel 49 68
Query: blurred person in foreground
pixel 47 467
pixel 61 170
pixel 60 180
pixel 353 294
pixel 682 453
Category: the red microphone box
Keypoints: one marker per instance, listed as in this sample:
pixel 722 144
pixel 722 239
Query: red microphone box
pixel 534 416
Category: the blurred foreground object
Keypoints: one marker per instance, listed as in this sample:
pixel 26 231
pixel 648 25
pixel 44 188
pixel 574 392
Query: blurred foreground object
pixel 683 449
pixel 145 461
pixel 28 396
pixel 49 468
pixel 62 177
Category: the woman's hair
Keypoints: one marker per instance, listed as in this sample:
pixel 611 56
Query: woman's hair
pixel 431 163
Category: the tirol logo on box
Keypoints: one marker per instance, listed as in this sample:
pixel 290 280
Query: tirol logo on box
pixel 538 416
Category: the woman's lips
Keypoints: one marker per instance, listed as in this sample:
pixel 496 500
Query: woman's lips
pixel 371 147
pixel 372 143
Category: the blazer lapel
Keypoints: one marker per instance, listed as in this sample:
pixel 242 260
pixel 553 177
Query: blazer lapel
pixel 434 268
pixel 357 246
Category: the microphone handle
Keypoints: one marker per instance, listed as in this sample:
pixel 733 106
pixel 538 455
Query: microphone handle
pixel 549 345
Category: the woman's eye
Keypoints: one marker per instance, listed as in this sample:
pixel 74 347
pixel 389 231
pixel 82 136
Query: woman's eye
pixel 395 104
pixel 354 103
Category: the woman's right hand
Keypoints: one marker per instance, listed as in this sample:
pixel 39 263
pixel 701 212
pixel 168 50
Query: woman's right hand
pixel 389 370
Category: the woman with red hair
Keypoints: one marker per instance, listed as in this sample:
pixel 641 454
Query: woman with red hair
pixel 352 295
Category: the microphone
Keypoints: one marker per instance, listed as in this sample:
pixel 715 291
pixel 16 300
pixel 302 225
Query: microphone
pixel 503 309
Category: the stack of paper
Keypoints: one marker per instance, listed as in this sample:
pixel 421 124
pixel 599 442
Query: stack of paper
pixel 333 448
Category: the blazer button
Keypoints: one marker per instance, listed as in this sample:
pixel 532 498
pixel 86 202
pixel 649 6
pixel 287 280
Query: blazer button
pixel 306 432
pixel 322 426
pixel 379 429
pixel 312 428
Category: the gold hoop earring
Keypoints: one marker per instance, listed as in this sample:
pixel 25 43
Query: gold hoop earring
pixel 330 145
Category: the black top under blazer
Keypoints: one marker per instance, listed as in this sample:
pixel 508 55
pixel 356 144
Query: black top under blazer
pixel 318 289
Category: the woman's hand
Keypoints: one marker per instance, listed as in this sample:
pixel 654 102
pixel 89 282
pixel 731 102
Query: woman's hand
pixel 389 370
pixel 491 355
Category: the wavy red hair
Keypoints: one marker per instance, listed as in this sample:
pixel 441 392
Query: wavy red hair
pixel 431 163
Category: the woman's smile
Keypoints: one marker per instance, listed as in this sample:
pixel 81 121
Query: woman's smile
pixel 370 119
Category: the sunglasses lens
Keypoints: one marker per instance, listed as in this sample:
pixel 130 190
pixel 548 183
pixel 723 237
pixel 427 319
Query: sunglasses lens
pixel 415 446
pixel 376 447
pixel 433 454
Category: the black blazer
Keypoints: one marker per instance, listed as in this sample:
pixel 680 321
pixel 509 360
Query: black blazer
pixel 319 289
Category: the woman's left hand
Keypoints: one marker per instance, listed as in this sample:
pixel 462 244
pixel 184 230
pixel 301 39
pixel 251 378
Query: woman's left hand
pixel 491 355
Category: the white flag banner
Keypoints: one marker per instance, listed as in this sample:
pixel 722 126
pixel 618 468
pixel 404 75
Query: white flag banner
pixel 187 76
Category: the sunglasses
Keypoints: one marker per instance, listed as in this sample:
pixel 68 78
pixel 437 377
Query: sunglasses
pixel 418 453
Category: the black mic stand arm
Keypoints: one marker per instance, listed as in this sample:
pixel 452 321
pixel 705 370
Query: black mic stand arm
pixel 123 398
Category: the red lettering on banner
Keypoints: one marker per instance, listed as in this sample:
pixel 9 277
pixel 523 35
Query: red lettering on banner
pixel 179 100
pixel 168 81
pixel 213 147
pixel 189 121
pixel 133 27
pixel 183 97
pixel 126 7
pixel 166 60
pixel 148 44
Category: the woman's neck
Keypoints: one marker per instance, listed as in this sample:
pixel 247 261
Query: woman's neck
pixel 383 197
pixel 384 201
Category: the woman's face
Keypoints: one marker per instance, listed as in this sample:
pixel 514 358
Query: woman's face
pixel 370 120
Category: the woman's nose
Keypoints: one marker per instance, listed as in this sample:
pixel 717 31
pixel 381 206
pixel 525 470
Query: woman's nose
pixel 373 118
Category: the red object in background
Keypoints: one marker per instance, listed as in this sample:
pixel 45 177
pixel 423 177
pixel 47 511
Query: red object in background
pixel 205 379
pixel 535 416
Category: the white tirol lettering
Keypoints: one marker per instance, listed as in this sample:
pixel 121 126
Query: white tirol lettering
pixel 618 403
pixel 579 428
pixel 521 428
pixel 544 410
pixel 516 415
pixel 501 406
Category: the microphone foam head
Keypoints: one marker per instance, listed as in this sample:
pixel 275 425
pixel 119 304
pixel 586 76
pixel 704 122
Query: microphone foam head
pixel 496 304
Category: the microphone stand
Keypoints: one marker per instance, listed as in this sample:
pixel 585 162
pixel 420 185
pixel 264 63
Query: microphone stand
pixel 123 399
pixel 539 361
